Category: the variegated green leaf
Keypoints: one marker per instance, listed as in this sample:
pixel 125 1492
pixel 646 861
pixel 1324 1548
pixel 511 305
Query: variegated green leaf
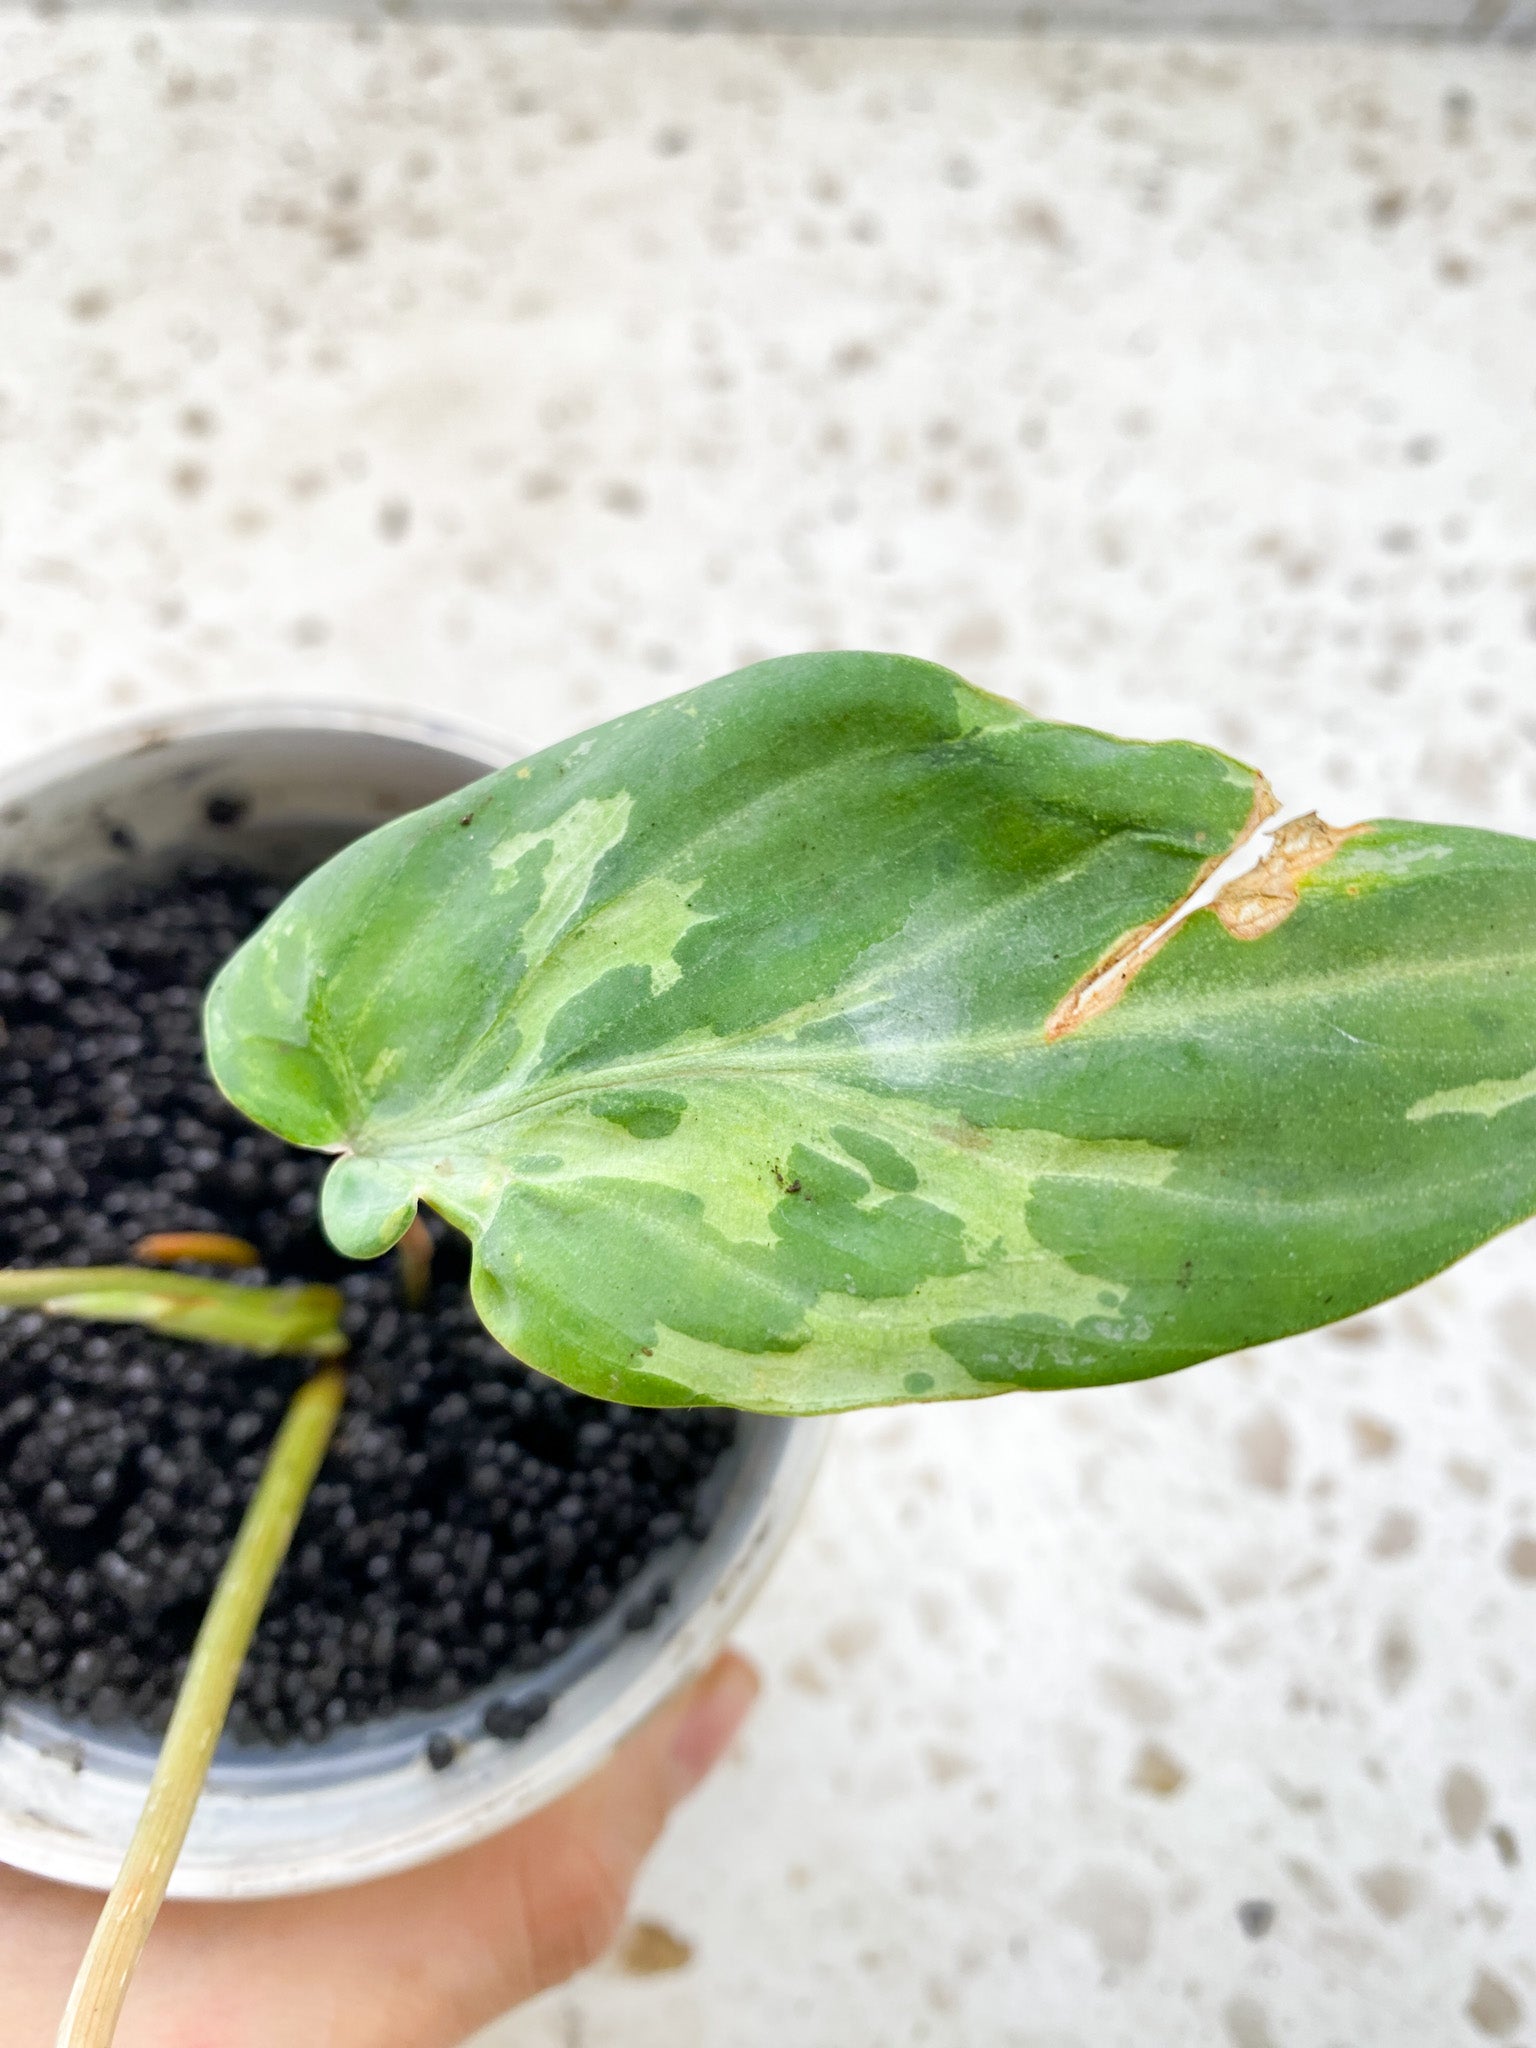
pixel 770 1046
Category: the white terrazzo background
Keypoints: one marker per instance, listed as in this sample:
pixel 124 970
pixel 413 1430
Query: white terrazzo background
pixel 1174 389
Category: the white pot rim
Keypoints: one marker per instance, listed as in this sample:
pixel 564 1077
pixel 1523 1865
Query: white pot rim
pixel 148 733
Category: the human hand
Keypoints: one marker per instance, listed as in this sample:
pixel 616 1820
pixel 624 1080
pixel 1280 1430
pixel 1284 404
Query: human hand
pixel 415 1961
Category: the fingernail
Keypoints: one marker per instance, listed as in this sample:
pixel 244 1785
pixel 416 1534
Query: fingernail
pixel 721 1701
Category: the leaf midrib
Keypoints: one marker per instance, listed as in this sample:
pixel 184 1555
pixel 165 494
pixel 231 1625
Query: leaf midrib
pixel 1121 1022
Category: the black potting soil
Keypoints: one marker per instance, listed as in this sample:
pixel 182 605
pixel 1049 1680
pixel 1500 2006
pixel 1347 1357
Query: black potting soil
pixel 471 1516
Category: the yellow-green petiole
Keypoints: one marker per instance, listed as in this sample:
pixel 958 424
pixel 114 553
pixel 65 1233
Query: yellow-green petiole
pixel 265 1320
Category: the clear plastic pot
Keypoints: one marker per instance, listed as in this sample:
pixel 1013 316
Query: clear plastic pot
pixel 287 783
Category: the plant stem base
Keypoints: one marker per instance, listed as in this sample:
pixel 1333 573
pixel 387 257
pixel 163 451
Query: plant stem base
pixel 96 2002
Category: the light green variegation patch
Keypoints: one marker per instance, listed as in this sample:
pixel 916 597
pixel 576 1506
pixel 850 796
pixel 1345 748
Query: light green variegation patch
pixel 640 930
pixel 565 858
pixel 1477 1098
pixel 746 1037
pixel 384 1063
pixel 772 1122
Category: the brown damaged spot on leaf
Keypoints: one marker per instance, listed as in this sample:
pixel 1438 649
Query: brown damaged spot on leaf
pixel 1107 981
pixel 647 1949
pixel 1256 903
pixel 969 1137
pixel 1103 987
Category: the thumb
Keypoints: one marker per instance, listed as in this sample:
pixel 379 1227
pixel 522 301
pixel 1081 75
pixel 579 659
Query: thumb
pixel 546 1898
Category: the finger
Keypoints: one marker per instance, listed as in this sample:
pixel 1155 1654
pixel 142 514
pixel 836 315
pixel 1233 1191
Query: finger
pixel 569 1869
pixel 602 1832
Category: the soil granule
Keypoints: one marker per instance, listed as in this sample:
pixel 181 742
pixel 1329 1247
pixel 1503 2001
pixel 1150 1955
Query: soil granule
pixel 471 1516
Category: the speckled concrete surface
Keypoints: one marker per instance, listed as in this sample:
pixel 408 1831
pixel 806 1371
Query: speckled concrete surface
pixel 1179 390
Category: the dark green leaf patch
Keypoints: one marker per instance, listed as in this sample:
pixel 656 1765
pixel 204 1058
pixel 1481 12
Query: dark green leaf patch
pixel 644 1113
